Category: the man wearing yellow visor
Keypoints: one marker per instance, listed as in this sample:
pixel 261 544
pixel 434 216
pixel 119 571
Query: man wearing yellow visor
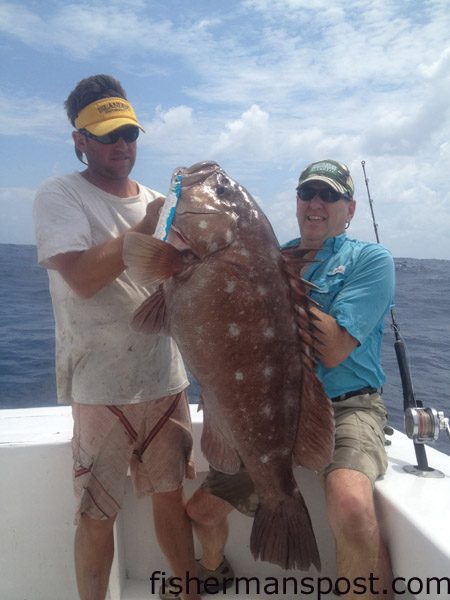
pixel 126 388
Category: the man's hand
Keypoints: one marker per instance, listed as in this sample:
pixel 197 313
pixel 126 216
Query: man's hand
pixel 149 222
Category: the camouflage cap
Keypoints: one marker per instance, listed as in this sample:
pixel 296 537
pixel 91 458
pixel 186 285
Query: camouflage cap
pixel 331 172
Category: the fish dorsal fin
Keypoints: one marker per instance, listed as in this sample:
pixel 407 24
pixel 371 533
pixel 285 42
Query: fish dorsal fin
pixel 294 259
pixel 151 316
pixel 150 260
pixel 314 444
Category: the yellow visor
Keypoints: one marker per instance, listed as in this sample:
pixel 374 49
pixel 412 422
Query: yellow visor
pixel 106 115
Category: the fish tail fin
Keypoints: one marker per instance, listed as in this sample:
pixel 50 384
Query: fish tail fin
pixel 284 535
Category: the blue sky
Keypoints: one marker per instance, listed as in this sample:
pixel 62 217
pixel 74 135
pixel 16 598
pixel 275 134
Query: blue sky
pixel 261 86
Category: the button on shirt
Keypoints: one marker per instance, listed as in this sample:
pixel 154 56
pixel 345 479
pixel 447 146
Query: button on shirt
pixel 355 284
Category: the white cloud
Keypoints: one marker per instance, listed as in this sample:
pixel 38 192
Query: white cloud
pixel 250 133
pixel 30 116
pixel 167 123
pixel 176 136
pixel 82 30
pixel 439 68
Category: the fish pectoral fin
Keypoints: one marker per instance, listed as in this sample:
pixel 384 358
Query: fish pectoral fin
pixel 150 260
pixel 151 316
pixel 217 450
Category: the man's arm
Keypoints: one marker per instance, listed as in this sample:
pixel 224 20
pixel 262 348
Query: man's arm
pixel 357 309
pixel 88 271
pixel 335 343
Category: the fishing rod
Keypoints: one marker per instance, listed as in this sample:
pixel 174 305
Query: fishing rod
pixel 421 424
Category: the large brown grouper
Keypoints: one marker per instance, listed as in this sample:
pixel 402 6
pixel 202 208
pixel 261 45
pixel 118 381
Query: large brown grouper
pixel 226 299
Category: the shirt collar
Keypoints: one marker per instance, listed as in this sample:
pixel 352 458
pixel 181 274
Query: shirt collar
pixel 333 244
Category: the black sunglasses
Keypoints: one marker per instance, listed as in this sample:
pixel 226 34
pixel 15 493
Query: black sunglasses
pixel 307 193
pixel 128 134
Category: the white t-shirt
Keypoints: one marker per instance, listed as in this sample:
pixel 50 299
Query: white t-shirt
pixel 99 358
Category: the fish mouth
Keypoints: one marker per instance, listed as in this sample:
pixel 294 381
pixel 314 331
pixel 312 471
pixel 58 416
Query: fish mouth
pixel 178 233
pixel 201 211
pixel 178 240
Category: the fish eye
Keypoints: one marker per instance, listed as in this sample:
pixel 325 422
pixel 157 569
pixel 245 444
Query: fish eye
pixel 220 190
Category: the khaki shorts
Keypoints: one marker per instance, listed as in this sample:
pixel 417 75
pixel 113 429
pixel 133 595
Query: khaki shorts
pixel 359 445
pixel 152 438
pixel 359 440
pixel 237 489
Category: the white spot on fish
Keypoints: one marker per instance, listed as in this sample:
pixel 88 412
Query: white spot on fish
pixel 233 330
pixel 264 458
pixel 244 252
pixel 275 254
pixel 230 286
pixel 262 291
pixel 239 375
pixel 268 371
pixel 269 332
pixel 229 235
pixel 203 225
pixel 266 410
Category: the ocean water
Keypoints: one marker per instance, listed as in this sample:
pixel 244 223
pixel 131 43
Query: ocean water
pixel 422 313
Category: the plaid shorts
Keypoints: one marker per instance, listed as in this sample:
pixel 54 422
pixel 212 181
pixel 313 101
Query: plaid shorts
pixel 359 445
pixel 153 439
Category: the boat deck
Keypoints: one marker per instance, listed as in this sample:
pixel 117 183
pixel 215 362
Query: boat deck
pixel 37 508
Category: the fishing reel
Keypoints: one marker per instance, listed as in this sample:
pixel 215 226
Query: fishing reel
pixel 425 424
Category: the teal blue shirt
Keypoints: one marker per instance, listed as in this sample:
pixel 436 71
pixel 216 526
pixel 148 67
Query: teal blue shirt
pixel 355 284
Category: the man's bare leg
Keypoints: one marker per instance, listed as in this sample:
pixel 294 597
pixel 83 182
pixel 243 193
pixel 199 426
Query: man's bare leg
pixel 94 551
pixel 361 553
pixel 174 532
pixel 209 518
